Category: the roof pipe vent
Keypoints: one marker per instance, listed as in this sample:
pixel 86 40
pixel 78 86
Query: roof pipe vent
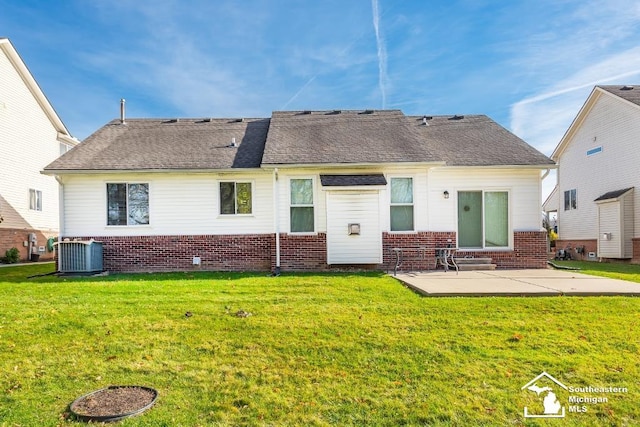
pixel 424 120
pixel 122 121
pixel 233 143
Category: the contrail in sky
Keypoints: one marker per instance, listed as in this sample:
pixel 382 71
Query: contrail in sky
pixel 382 53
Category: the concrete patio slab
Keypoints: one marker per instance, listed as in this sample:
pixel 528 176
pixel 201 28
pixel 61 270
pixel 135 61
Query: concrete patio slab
pixel 541 282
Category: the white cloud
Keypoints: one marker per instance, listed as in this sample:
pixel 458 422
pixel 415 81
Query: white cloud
pixel 382 53
pixel 543 118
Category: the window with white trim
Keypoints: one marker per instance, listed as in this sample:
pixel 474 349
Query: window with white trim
pixel 127 204
pixel 35 200
pixel 301 210
pixel 235 198
pixel 570 200
pixel 401 213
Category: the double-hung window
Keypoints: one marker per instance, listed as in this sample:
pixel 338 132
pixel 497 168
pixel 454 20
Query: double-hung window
pixel 127 204
pixel 570 200
pixel 301 209
pixel 35 200
pixel 235 198
pixel 401 204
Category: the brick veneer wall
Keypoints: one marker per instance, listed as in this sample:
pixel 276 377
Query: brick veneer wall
pixel 256 252
pixel 250 252
pixel 303 252
pixel 590 245
pixel 530 250
pixel 10 238
pixel 636 250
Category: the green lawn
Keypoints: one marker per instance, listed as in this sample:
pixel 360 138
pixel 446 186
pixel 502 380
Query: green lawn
pixel 614 270
pixel 341 349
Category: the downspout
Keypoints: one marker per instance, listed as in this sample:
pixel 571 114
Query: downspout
pixel 548 171
pixel 276 218
pixel 60 214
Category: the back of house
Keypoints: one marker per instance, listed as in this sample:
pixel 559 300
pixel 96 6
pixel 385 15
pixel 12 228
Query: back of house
pixel 304 191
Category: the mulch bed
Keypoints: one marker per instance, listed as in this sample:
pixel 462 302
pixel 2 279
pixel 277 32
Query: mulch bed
pixel 115 401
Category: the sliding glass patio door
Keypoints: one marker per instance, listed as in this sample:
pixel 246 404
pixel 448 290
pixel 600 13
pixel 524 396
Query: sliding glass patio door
pixel 483 219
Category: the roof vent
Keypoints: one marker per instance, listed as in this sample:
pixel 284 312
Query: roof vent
pixel 425 120
pixel 626 88
pixel 122 121
pixel 367 112
pixel 457 117
pixel 239 120
pixel 171 121
pixel 334 112
pixel 233 143
pixel 306 112
pixel 207 120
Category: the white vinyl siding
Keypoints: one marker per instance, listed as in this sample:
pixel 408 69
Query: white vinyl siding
pixel 613 124
pixel 351 207
pixel 609 225
pixel 179 204
pixel 523 186
pixel 29 143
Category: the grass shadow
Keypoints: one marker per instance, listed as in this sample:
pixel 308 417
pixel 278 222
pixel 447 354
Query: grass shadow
pixel 45 273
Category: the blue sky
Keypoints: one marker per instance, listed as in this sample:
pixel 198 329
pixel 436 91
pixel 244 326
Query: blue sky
pixel 529 65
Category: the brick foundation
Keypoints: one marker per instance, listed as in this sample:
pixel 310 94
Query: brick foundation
pixel 303 252
pixel 250 252
pixel 10 238
pixel 590 245
pixel 256 252
pixel 530 249
pixel 636 250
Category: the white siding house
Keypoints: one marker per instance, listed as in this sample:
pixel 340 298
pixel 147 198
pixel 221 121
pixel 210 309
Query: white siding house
pixel 31 136
pixel 303 190
pixel 598 157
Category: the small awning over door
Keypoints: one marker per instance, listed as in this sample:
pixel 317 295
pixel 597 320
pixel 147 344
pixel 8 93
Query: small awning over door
pixel 352 180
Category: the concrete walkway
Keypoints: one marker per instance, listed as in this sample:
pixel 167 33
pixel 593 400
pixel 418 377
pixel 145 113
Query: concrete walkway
pixel 543 282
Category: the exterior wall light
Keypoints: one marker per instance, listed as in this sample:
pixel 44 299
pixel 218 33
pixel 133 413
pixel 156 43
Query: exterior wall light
pixel 446 194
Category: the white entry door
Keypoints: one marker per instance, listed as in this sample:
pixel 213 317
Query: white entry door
pixel 353 227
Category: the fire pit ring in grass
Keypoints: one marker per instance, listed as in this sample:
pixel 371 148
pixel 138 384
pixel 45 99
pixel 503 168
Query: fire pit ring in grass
pixel 113 403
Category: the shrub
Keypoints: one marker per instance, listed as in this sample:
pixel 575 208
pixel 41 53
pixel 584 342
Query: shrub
pixel 12 255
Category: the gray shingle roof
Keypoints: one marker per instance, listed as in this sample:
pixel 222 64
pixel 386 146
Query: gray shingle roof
pixel 148 144
pixel 299 138
pixel 613 194
pixel 629 92
pixel 475 140
pixel 320 137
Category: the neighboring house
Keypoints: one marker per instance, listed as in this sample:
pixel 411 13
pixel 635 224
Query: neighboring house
pixel 303 190
pixel 31 136
pixel 598 157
